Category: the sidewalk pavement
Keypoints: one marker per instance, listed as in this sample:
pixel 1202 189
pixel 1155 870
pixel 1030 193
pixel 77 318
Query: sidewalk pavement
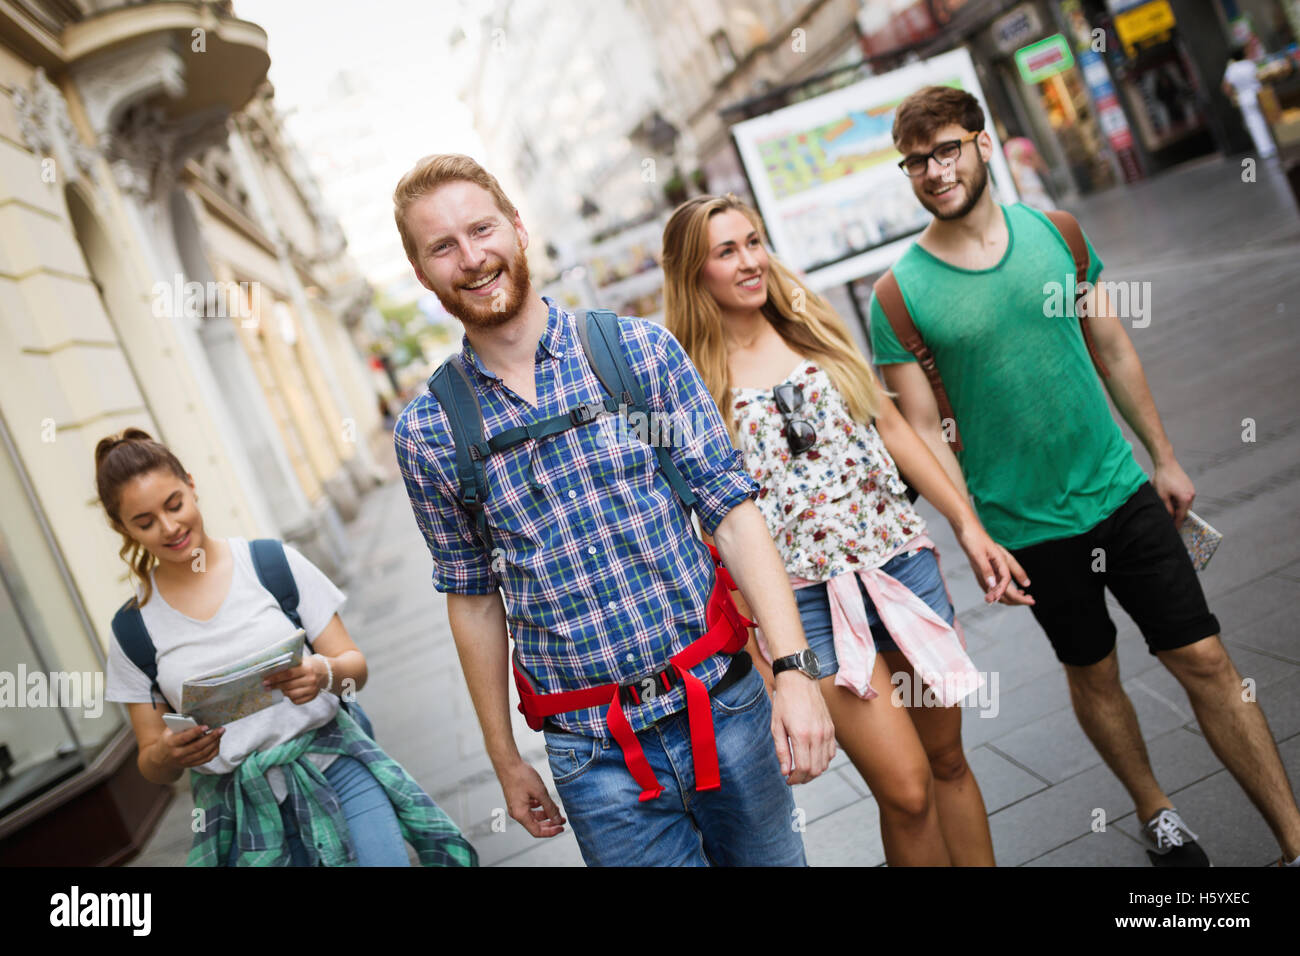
pixel 1220 349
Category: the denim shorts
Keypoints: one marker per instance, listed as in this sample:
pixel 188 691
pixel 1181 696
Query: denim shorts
pixel 917 571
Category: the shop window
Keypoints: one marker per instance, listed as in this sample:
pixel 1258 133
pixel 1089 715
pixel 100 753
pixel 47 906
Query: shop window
pixel 53 716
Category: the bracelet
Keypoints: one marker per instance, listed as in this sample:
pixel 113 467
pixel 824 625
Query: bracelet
pixel 328 670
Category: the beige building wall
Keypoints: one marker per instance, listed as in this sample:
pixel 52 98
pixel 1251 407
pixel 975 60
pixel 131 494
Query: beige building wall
pixel 353 377
pixel 81 362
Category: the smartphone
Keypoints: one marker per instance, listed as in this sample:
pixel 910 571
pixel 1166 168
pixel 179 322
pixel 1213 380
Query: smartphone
pixel 178 723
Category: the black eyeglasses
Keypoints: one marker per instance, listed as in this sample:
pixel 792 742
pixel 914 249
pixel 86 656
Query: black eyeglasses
pixel 800 434
pixel 945 154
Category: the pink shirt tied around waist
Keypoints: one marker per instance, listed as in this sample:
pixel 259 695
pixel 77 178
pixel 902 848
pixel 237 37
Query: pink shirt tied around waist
pixel 936 650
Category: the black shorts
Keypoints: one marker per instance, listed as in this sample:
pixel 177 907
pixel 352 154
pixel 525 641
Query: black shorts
pixel 1137 553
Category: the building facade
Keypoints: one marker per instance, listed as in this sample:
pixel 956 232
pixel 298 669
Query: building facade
pixel 165 263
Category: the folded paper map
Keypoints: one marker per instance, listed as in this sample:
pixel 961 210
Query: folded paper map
pixel 236 691
pixel 1200 539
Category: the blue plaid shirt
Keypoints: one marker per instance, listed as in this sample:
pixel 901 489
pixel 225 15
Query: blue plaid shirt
pixel 603 575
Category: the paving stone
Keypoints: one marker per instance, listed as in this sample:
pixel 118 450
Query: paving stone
pixel 1001 782
pixel 1281 705
pixel 824 795
pixel 850 773
pixel 1053 747
pixel 848 837
pixel 1053 817
pixel 553 851
pixel 1021 706
pixel 1111 847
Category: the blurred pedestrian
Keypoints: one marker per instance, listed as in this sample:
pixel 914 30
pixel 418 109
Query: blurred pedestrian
pixel 1241 82
pixel 1028 169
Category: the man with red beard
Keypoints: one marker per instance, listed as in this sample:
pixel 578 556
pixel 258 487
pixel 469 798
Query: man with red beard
pixel 1051 475
pixel 605 583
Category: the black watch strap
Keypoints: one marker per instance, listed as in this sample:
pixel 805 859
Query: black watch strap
pixel 804 661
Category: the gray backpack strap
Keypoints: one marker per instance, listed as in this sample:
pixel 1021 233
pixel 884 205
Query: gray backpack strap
pixel 598 329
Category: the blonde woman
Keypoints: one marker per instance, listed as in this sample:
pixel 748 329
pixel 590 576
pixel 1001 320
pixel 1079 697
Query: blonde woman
pixel 821 438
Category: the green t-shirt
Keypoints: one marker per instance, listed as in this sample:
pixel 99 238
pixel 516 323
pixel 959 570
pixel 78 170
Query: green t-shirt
pixel 1043 457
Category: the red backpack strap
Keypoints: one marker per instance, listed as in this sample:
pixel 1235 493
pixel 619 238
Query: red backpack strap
pixel 890 297
pixel 1072 233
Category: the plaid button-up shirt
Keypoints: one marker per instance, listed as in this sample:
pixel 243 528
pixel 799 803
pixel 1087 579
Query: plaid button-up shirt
pixel 602 573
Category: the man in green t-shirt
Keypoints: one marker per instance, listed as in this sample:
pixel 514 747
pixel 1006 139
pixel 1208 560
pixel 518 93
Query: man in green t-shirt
pixel 990 289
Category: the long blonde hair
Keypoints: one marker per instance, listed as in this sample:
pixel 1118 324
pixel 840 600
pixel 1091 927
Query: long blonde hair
pixel 800 316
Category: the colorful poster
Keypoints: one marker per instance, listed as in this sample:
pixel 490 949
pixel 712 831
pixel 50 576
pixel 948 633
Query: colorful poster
pixel 824 172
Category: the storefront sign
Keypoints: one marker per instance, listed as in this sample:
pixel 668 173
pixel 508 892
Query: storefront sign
pixel 825 174
pixel 1044 59
pixel 1147 22
pixel 1016 29
pixel 1110 115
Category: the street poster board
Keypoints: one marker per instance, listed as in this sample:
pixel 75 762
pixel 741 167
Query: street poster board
pixel 825 176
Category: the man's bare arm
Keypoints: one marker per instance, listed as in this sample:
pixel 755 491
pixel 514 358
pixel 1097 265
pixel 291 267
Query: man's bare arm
pixel 915 399
pixel 800 720
pixel 478 626
pixel 1127 384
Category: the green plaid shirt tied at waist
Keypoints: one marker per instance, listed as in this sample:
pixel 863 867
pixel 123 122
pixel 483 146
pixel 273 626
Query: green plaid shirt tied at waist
pixel 239 806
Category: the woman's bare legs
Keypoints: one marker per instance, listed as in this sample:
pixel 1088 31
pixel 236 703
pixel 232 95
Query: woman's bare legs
pixel 962 816
pixel 883 745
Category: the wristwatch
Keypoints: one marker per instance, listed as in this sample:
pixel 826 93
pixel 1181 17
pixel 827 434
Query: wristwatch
pixel 805 660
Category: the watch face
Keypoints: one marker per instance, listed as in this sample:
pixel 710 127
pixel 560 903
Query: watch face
pixel 811 665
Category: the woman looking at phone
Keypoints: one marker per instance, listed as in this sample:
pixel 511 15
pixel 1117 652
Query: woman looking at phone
pixel 307 783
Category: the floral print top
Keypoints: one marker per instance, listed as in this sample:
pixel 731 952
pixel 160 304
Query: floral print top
pixel 840 506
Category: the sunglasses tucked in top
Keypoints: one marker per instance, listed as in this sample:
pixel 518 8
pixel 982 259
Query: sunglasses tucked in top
pixel 799 433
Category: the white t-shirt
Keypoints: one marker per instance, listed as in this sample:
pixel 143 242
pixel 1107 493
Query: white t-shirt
pixel 1244 78
pixel 248 621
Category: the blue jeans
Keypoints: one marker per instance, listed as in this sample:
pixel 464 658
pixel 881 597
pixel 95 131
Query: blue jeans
pixel 750 821
pixel 919 573
pixel 371 820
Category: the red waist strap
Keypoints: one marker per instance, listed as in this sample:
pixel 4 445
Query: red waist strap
pixel 727 633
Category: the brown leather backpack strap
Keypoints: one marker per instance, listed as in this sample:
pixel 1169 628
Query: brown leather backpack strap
pixel 1072 233
pixel 890 297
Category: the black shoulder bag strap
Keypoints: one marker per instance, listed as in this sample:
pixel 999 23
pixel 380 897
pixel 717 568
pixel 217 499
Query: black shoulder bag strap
pixel 133 637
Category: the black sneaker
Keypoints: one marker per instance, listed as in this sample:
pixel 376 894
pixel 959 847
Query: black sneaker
pixel 1175 844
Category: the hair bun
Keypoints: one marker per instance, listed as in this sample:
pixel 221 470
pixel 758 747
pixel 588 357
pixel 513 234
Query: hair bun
pixel 106 445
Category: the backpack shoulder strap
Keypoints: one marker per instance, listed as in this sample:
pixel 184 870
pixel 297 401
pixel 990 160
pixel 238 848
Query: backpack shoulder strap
pixel 1072 233
pixel 455 393
pixel 133 637
pixel 893 305
pixel 598 330
pixel 272 567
